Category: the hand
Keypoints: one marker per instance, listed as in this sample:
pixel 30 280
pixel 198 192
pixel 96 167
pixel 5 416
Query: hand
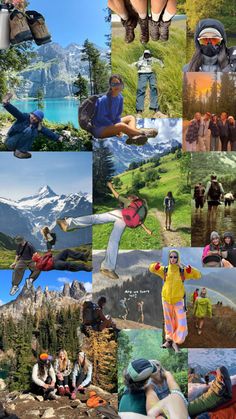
pixel 6 99
pixel 188 269
pixel 13 265
pixel 119 135
pixel 60 376
pixel 80 388
pixel 61 139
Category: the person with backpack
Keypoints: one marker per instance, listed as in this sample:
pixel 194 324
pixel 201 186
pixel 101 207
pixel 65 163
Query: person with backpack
pixel 202 308
pixel 229 199
pixel 213 193
pixel 94 317
pixel 132 215
pixel 81 374
pixel 204 133
pixel 198 196
pixel 49 236
pixel 169 204
pixel 101 115
pixel 224 128
pixel 195 295
pixel 192 132
pixel 62 368
pixel 173 292
pixel 25 129
pixel 44 378
pixel 60 261
pixel 212 53
pixel 23 260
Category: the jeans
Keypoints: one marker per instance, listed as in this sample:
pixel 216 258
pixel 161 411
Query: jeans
pixel 61 263
pixel 20 142
pixel 233 145
pixel 214 143
pixel 143 79
pixel 224 143
pixel 115 236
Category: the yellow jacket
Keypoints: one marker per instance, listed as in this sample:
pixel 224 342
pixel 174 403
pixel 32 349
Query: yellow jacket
pixel 173 289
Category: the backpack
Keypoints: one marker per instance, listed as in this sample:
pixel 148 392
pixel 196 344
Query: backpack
pixel 87 112
pixel 181 271
pixel 214 191
pixel 54 238
pixel 131 214
pixel 95 400
pixel 197 192
pixel 169 203
pixel 88 313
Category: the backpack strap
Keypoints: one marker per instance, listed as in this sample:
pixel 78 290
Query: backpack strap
pixel 181 271
pixel 165 272
pixel 22 250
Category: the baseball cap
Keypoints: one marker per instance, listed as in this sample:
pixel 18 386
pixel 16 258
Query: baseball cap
pixel 141 369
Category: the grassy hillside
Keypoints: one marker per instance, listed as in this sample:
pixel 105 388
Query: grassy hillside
pixel 154 193
pixel 169 78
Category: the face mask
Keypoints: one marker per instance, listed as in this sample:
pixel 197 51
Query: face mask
pixel 210 50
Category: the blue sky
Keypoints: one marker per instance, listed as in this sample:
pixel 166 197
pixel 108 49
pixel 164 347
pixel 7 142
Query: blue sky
pixel 55 280
pixel 64 172
pixel 75 20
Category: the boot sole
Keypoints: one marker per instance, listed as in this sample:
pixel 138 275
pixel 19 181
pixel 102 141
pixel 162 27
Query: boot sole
pixel 23 36
pixel 42 41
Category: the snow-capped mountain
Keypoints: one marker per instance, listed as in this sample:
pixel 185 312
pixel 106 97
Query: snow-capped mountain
pixel 28 215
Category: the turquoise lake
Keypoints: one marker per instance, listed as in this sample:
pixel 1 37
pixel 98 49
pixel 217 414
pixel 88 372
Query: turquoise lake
pixel 55 110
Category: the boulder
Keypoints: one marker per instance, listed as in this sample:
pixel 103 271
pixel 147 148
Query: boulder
pixel 2 384
pixel 49 413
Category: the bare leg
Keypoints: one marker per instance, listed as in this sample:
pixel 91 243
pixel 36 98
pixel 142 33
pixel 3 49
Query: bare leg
pixel 118 128
pixel 166 219
pixel 169 220
pixel 130 121
pixel 141 7
pixel 158 5
pixel 118 6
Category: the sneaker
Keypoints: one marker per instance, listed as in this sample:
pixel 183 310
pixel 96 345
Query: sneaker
pixel 67 391
pixel 22 155
pixel 109 274
pixel 52 395
pixel 14 289
pixel 129 25
pixel 29 283
pixel 61 391
pixel 164 30
pixel 167 344
pixel 154 29
pixel 38 27
pixel 63 224
pixel 137 140
pixel 73 395
pixel 176 348
pixel 19 28
pixel 143 23
pixel 150 132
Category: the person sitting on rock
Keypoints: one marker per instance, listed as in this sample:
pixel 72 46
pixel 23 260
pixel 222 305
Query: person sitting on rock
pixel 44 378
pixel 25 129
pixel 81 374
pixel 62 369
pixel 94 317
pixel 48 261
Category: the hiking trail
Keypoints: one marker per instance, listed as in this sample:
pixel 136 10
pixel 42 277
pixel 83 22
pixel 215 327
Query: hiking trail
pixel 170 238
pixel 130 324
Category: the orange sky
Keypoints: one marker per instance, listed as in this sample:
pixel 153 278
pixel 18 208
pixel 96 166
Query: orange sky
pixel 204 81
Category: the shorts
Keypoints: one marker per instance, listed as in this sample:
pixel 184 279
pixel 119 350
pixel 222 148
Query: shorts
pixel 199 202
pixel 213 204
pixel 97 131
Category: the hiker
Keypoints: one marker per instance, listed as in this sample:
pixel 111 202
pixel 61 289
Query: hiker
pixel 218 393
pixel 49 236
pixel 232 133
pixel 212 53
pixel 228 198
pixel 146 75
pixel 169 204
pixel 212 253
pixel 215 133
pixel 44 378
pixel 195 295
pixel 173 292
pixel 25 129
pixel 59 262
pixel 124 306
pixel 133 214
pixel 229 247
pixel 81 374
pixel 198 196
pixel 203 133
pixel 140 305
pixel 94 317
pixel 202 308
pixel 23 260
pixel 223 125
pixel 62 369
pixel 214 191
pixel 107 121
pixel 192 132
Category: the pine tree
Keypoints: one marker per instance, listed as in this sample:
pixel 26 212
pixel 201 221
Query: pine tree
pixel 82 85
pixel 103 170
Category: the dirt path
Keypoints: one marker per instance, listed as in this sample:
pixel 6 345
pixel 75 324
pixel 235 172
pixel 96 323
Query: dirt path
pixel 129 324
pixel 170 238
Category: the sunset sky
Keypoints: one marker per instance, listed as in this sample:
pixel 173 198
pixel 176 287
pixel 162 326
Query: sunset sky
pixel 204 81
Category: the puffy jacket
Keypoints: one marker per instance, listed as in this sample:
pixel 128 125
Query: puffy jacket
pixel 45 262
pixel 202 307
pixel 173 288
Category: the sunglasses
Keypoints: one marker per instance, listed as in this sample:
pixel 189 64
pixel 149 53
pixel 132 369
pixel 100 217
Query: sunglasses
pixel 212 41
pixel 112 84
pixel 173 257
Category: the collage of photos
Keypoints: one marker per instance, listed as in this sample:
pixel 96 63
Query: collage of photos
pixel 117 209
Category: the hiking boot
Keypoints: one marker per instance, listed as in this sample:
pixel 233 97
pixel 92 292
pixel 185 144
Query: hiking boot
pixel 14 289
pixel 61 391
pixel 137 140
pixel 154 29
pixel 19 28
pixel 22 154
pixel 159 114
pixel 167 344
pixel 143 23
pixel 109 274
pixel 73 395
pixel 38 27
pixel 129 25
pixel 29 283
pixel 150 132
pixel 176 348
pixel 63 224
pixel 164 30
pixel 67 391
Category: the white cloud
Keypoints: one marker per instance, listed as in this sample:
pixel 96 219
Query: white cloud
pixel 88 286
pixel 63 279
pixel 1 303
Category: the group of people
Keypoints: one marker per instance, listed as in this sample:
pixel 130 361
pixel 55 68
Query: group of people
pixel 220 252
pixel 135 12
pixel 210 132
pixel 63 378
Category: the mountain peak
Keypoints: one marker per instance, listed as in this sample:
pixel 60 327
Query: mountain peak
pixel 46 191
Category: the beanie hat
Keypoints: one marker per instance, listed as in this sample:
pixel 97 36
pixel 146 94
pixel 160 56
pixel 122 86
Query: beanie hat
pixel 45 357
pixel 140 369
pixel 39 114
pixel 214 235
